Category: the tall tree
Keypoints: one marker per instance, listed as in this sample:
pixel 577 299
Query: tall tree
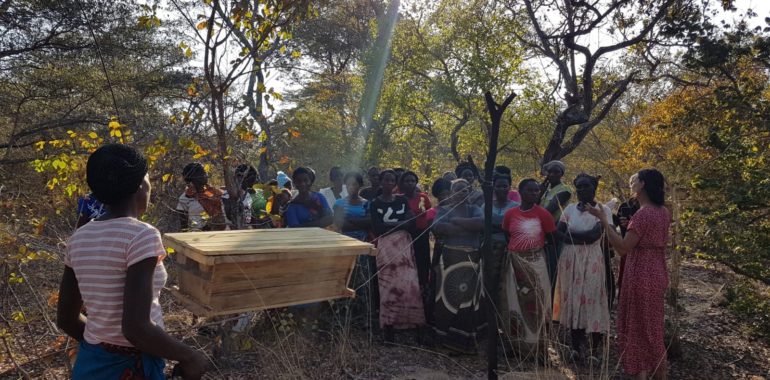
pixel 565 33
pixel 238 39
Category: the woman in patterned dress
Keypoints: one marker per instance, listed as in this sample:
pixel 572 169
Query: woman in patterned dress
pixel 526 296
pixel 401 304
pixel 457 310
pixel 645 279
pixel 581 303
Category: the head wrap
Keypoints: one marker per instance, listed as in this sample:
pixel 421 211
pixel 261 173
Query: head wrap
pixel 282 178
pixel 554 164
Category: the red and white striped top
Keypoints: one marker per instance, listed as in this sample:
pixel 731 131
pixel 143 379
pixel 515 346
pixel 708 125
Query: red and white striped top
pixel 100 252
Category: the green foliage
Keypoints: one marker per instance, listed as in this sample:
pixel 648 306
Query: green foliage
pixel 746 300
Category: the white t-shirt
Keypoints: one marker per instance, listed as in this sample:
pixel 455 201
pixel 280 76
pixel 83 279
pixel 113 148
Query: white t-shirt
pixel 582 221
pixel 328 193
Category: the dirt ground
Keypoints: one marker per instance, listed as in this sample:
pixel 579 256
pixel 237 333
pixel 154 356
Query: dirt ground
pixel 715 344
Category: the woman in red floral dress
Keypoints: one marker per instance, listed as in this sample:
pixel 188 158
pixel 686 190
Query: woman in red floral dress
pixel 645 279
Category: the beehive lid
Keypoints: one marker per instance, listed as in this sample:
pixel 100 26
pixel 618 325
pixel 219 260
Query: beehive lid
pixel 215 247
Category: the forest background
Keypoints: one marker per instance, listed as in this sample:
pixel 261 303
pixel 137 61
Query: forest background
pixel 607 86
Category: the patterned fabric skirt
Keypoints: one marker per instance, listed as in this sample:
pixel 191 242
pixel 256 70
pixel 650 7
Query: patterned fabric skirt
pixel 457 309
pixel 526 300
pixel 581 289
pixel 400 298
pixel 96 362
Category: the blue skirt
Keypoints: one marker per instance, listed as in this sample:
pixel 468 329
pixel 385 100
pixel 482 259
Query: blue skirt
pixel 96 363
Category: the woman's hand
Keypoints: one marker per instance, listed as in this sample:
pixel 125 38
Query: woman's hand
pixel 598 212
pixel 194 367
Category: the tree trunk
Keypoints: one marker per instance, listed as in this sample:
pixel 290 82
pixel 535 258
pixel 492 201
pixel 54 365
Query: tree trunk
pixel 490 274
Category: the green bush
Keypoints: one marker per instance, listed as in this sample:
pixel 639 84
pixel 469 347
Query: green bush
pixel 748 302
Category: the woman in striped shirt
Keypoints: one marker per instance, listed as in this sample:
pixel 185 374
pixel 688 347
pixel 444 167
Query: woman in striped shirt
pixel 114 267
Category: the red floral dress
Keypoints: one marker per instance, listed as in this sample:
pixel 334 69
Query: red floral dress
pixel 645 279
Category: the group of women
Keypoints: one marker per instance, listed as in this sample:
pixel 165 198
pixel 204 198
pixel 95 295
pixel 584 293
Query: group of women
pixel 548 254
pixel 539 239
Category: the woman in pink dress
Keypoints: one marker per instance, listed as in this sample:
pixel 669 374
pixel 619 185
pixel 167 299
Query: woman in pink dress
pixel 645 279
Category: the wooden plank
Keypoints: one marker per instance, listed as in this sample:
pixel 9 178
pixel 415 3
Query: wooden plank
pixel 245 258
pixel 236 243
pixel 279 239
pixel 253 276
pixel 246 248
pixel 205 311
pixel 280 295
pixel 265 236
pixel 190 304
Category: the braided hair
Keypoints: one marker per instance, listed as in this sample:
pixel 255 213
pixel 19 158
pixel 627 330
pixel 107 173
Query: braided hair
pixel 114 172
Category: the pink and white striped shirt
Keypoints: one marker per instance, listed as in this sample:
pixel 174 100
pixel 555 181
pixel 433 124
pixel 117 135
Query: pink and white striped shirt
pixel 100 252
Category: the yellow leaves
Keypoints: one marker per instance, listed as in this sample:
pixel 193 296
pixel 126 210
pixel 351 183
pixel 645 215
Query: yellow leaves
pixel 58 164
pixel 93 135
pixel 116 129
pixel 202 25
pixel 262 137
pixel 169 250
pixel 14 278
pixel 166 177
pixel 52 183
pixel 199 152
pixel 18 316
pixel 114 123
pixel 40 145
pixel 244 133
pixel 186 49
pixel 296 54
pixel 148 21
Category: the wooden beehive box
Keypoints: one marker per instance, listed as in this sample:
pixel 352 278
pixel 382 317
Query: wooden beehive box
pixel 227 272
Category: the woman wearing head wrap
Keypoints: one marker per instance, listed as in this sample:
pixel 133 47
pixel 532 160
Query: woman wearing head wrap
pixel 640 321
pixel 581 301
pixel 457 310
pixel 200 206
pixel 113 266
